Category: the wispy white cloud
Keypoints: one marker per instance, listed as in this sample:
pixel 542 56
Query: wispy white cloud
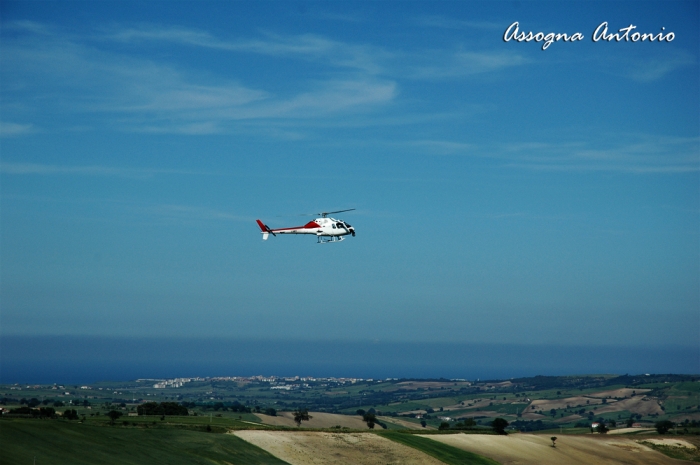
pixel 190 212
pixel 15 129
pixel 306 46
pixel 151 96
pixel 443 147
pixel 90 170
pixel 649 69
pixel 444 22
pixel 624 153
pixel 372 60
pixel 447 65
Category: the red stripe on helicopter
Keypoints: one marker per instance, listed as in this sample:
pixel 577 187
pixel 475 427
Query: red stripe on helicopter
pixel 309 225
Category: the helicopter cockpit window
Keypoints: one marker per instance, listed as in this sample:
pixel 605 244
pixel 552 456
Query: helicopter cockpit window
pixel 348 225
pixel 340 225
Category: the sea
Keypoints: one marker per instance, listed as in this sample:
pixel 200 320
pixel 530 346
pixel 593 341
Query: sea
pixel 88 359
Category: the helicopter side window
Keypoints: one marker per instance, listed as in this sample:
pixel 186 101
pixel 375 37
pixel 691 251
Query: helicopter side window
pixel 333 226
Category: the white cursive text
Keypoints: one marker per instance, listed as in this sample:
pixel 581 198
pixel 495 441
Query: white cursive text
pixel 626 34
pixel 512 33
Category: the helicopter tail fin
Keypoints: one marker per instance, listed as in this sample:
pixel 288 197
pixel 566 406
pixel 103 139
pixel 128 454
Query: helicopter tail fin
pixel 265 229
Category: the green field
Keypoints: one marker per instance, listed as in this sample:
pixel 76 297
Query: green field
pixel 443 452
pixel 61 442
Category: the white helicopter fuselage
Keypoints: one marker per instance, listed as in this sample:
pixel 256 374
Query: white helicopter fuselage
pixel 322 227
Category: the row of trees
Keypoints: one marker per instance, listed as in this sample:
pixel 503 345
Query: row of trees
pixel 44 412
pixel 164 408
pixel 498 425
pixel 34 402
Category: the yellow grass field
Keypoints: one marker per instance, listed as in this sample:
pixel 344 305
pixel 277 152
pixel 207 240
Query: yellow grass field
pixel 672 442
pixel 632 430
pixel 638 404
pixel 532 449
pixel 318 420
pixel 573 402
pixel 624 392
pixel 312 448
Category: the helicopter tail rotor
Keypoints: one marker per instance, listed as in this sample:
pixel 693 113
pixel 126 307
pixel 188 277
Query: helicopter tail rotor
pixel 266 231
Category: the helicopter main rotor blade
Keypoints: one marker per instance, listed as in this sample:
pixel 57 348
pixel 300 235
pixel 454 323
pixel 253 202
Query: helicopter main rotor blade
pixel 323 214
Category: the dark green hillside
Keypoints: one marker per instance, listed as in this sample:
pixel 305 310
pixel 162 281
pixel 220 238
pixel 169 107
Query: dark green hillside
pixel 61 442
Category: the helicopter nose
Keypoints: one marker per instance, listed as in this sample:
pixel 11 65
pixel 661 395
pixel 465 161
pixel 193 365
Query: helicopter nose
pixel 352 231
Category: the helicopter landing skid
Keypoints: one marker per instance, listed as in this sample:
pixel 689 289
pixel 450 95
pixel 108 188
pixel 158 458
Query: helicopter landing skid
pixel 329 239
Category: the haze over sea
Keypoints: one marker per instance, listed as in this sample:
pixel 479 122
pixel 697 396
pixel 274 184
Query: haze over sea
pixel 86 359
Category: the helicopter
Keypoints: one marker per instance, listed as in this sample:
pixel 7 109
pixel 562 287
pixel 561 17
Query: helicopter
pixel 327 230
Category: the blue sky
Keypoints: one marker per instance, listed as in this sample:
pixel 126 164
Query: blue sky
pixel 503 192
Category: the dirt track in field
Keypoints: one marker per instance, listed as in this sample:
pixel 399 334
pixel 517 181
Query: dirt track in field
pixel 531 449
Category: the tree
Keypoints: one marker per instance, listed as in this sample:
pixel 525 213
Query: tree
pixel 47 412
pixel 554 439
pixel 114 415
pixel 499 425
pixel 602 429
pixel 662 427
pixel 443 426
pixel 469 423
pixel 301 415
pixel 630 422
pixel 423 423
pixel 370 419
pixel 360 411
pixel 70 414
pixel 270 411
